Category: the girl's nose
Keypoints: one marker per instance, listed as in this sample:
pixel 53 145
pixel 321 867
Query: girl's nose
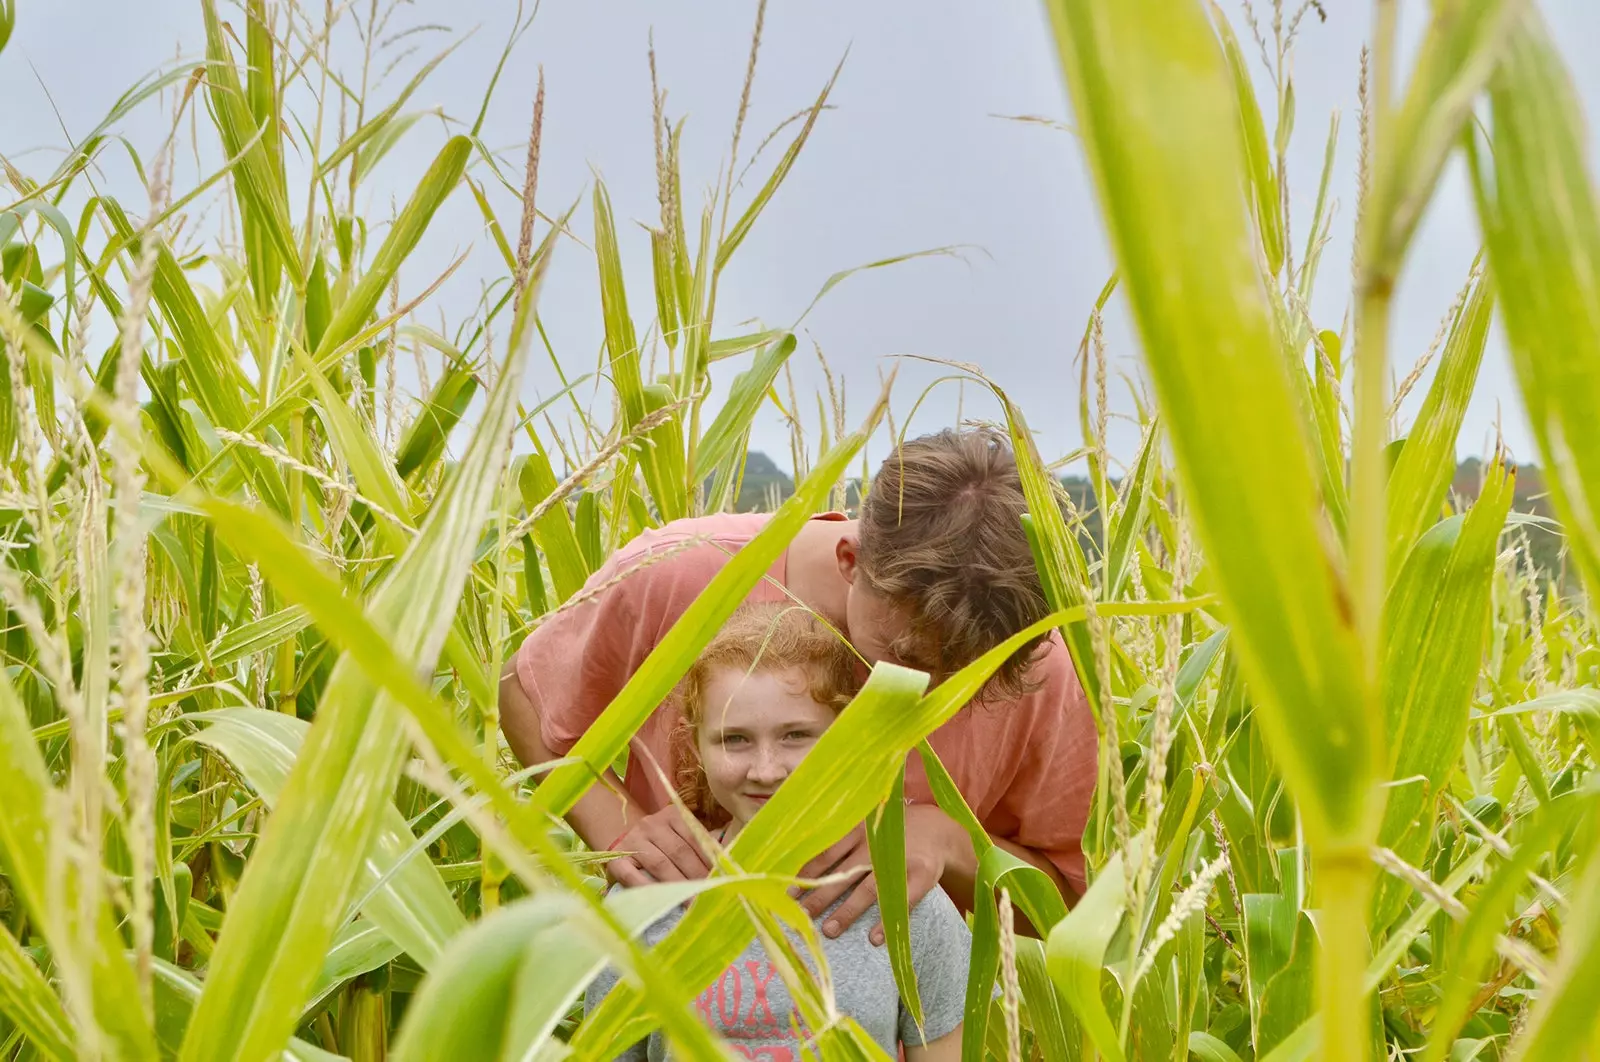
pixel 768 768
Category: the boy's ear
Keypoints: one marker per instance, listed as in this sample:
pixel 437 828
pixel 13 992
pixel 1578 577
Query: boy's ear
pixel 847 552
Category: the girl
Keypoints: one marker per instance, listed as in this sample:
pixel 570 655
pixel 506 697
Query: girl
pixel 754 703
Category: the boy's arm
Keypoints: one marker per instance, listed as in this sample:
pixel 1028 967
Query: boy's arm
pixel 938 852
pixel 606 817
pixel 946 1048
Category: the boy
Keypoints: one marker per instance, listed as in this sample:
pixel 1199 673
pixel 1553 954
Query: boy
pixel 935 572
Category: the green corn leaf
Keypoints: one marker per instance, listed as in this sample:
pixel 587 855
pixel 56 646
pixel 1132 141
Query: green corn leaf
pixel 414 907
pixel 731 425
pixel 422 447
pixel 257 175
pixel 177 990
pixel 1473 943
pixel 1208 1048
pixel 1057 554
pixel 554 532
pixel 622 348
pixel 1128 521
pixel 1563 1021
pixel 1427 461
pixel 1157 114
pixel 25 856
pixel 209 369
pixel 1058 1035
pixel 1075 954
pixel 1542 227
pixel 505 984
pixel 27 1002
pixel 1463 45
pixel 1034 894
pixel 319 301
pixel 1438 625
pixel 1581 705
pixel 604 741
pixel 886 837
pixel 354 440
pixel 436 185
pixel 378 123
pixel 665 447
pixel 741 227
pixel 621 345
pixel 1263 182
pixel 257 636
pixel 306 865
pixel 359 947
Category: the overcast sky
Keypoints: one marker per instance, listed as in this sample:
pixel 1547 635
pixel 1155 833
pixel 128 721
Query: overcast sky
pixel 914 156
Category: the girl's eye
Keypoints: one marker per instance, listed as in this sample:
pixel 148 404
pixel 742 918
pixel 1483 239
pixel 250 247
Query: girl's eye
pixel 733 739
pixel 799 735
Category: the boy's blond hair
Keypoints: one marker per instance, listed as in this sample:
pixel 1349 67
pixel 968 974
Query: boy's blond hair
pixel 942 537
pixel 757 638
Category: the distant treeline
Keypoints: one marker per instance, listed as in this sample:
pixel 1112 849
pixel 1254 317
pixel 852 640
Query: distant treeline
pixel 765 483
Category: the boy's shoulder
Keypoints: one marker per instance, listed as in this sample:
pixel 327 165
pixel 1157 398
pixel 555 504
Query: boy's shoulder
pixel 722 528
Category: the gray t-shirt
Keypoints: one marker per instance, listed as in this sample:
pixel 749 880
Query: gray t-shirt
pixel 750 1006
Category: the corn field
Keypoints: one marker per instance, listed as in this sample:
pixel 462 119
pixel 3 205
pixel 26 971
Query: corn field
pixel 255 595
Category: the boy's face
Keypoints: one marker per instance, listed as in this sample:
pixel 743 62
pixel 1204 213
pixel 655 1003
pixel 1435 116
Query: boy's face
pixel 757 728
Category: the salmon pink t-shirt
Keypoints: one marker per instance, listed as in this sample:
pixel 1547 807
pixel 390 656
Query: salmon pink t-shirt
pixel 1026 767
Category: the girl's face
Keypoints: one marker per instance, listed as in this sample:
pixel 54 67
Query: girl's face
pixel 757 728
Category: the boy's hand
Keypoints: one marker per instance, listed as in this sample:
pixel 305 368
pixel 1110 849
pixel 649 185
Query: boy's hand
pixel 659 847
pixel 929 834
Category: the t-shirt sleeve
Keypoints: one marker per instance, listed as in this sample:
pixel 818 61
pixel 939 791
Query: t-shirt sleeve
pixel 941 951
pixel 576 662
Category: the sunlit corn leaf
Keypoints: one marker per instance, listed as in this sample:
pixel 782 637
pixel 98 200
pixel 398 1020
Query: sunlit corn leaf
pixel 1542 227
pixel 306 865
pixel 1031 891
pixel 1157 113
pixel 414 906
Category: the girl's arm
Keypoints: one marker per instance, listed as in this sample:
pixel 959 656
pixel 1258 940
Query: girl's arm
pixel 946 1048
